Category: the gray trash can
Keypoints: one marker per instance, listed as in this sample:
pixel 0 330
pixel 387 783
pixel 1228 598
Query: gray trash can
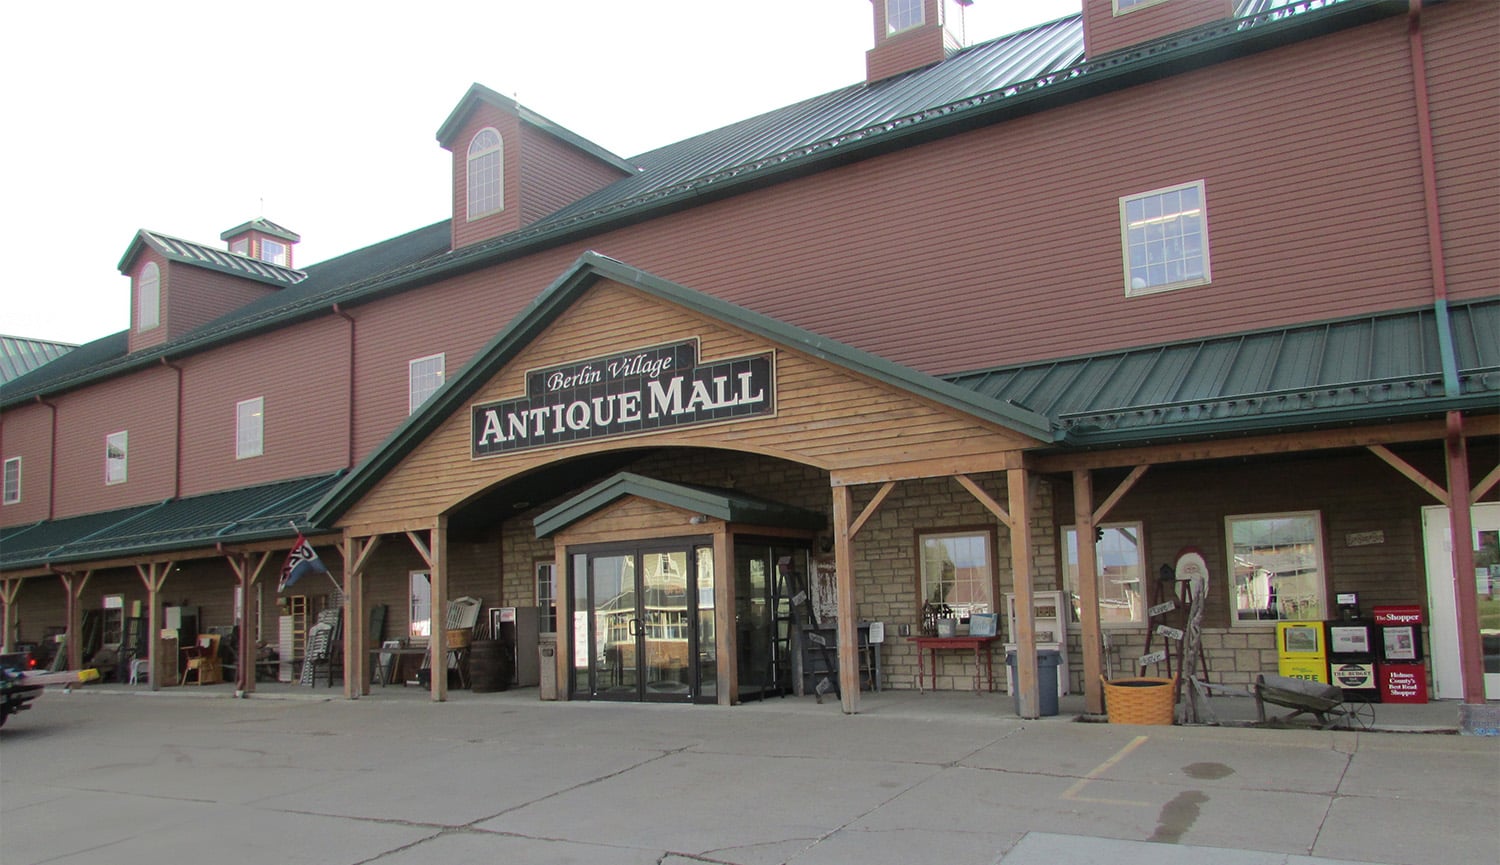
pixel 1047 662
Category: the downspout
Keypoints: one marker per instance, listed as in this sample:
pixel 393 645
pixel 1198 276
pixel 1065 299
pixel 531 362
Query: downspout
pixel 349 433
pixel 1444 324
pixel 1460 521
pixel 176 433
pixel 51 460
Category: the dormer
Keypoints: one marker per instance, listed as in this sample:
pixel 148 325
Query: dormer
pixel 177 286
pixel 909 35
pixel 513 167
pixel 262 240
pixel 1110 25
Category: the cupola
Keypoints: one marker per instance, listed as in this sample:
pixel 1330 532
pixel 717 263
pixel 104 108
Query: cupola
pixel 909 35
pixel 262 240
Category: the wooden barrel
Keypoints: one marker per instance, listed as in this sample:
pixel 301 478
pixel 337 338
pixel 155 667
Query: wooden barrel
pixel 491 666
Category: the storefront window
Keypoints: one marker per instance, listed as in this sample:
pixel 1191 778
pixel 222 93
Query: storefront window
pixel 421 605
pixel 1121 559
pixel 956 572
pixel 1275 567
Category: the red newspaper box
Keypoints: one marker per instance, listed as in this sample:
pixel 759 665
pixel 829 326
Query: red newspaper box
pixel 1402 675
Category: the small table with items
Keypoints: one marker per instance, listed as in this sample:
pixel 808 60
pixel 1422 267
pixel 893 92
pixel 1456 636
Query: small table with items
pixel 387 661
pixel 980 645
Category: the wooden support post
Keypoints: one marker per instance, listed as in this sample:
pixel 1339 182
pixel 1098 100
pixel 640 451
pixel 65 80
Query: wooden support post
pixel 1465 591
pixel 725 604
pixel 848 625
pixel 1027 693
pixel 73 585
pixel 8 593
pixel 439 642
pixel 154 576
pixel 245 576
pixel 1088 591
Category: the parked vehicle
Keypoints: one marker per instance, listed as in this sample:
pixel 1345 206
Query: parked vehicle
pixel 16 693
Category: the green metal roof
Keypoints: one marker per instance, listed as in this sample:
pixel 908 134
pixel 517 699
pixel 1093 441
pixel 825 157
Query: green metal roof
pixel 221 260
pixel 480 93
pixel 585 272
pixel 19 356
pixel 264 226
pixel 728 505
pixel 231 516
pixel 1362 369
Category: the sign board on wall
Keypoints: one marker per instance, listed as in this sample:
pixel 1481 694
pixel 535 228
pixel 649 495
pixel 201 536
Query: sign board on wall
pixel 621 394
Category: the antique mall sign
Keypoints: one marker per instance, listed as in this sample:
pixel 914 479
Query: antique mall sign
pixel 621 394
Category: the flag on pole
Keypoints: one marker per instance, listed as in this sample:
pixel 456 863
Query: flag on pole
pixel 300 562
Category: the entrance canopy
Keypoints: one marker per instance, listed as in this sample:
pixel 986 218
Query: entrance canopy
pixel 727 505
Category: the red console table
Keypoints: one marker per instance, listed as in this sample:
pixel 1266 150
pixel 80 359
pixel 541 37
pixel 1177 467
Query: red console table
pixel 930 645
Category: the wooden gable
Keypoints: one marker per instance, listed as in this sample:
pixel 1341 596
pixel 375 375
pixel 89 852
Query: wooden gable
pixel 827 415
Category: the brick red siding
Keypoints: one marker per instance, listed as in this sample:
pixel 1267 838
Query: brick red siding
pixel 302 373
pixel 555 174
pixel 27 433
pixel 1104 31
pixel 142 404
pixel 199 296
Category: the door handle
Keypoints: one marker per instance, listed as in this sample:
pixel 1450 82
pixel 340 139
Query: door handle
pixel 635 627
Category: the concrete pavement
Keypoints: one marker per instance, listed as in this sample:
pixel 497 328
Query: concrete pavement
pixel 100 776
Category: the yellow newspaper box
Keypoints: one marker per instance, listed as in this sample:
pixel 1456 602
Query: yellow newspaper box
pixel 1302 651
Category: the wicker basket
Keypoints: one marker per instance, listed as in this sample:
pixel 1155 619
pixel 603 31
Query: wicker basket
pixel 1140 701
pixel 458 638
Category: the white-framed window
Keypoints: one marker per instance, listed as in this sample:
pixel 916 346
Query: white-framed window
pixel 957 571
pixel 1119 551
pixel 486 172
pixel 116 452
pixel 1123 6
pixel 1164 237
pixel 273 251
pixel 1276 570
pixel 148 297
pixel 240 246
pixel 12 481
pixel 904 15
pixel 249 428
pixel 423 377
pixel 419 623
pixel 546 596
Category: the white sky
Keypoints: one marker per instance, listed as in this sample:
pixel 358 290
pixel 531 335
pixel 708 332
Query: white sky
pixel 190 117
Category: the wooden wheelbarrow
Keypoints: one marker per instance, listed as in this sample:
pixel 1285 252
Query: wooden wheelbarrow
pixel 1325 703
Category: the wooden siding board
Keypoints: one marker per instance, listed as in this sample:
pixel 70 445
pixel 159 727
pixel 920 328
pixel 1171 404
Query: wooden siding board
pixel 436 475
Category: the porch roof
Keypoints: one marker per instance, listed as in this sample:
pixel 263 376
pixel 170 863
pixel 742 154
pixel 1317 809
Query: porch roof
pixel 232 516
pixel 1357 370
pixel 730 506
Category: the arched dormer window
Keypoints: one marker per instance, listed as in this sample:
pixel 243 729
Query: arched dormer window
pixel 148 297
pixel 486 173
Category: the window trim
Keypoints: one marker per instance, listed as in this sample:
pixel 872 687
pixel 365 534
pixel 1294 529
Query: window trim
pixel 1070 583
pixel 12 482
pixel 123 437
pixel 244 447
pixel 412 403
pixel 990 539
pixel 921 17
pixel 273 252
pixel 548 612
pixel 145 311
pixel 1125 7
pixel 471 183
pixel 1207 276
pixel 411 605
pixel 1322 555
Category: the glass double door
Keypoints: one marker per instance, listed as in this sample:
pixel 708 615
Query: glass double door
pixel 643 622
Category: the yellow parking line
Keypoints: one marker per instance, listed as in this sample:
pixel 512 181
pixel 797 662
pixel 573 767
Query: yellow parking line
pixel 1071 793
